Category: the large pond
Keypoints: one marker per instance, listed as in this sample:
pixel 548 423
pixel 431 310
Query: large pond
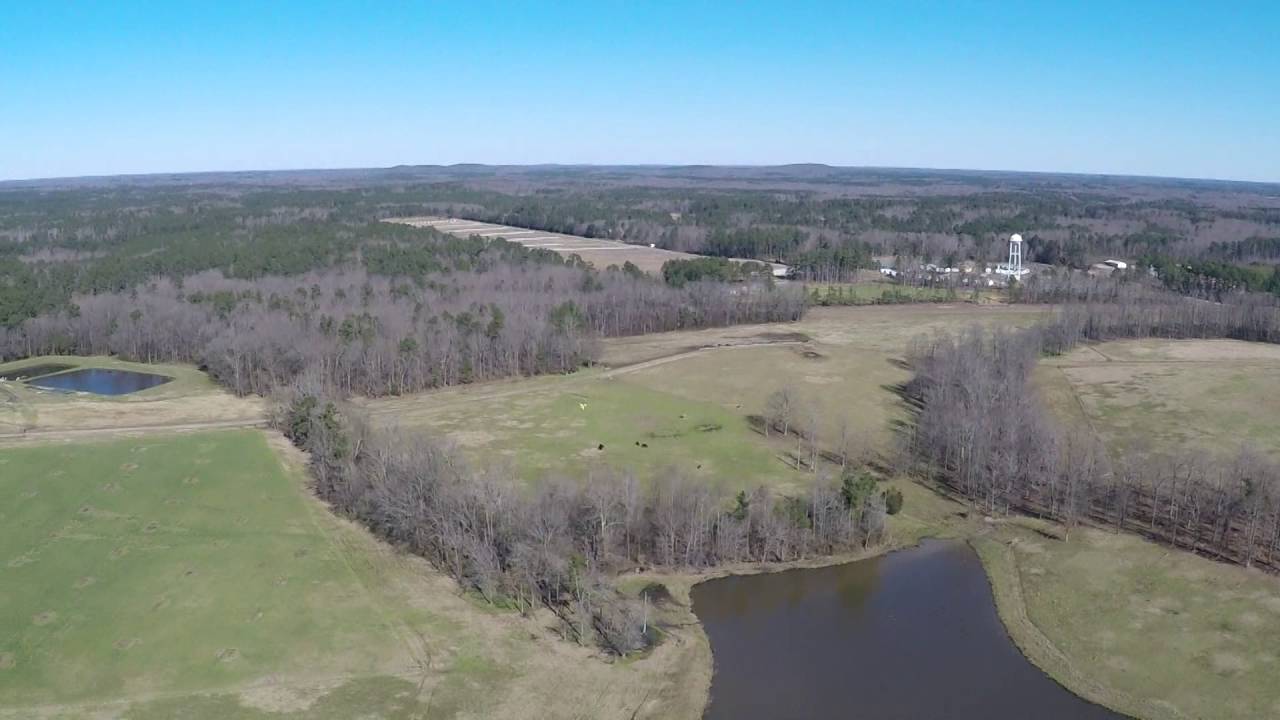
pixel 912 635
pixel 100 381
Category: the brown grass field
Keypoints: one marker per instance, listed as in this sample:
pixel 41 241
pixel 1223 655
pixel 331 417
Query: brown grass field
pixel 599 252
pixel 1153 395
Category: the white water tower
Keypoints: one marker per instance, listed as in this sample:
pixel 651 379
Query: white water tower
pixel 1015 254
pixel 1013 268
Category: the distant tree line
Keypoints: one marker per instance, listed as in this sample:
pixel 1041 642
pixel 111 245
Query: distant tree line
pixel 827 233
pixel 1134 285
pixel 1248 250
pixel 1214 278
pixel 890 294
pixel 56 242
pixel 376 335
pixel 982 430
pixel 679 273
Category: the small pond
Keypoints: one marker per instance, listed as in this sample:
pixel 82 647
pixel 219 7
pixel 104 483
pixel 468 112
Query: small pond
pixel 33 371
pixel 100 381
pixel 912 635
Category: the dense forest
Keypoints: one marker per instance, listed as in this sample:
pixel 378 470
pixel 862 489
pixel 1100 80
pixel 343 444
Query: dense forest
pixel 376 335
pixel 828 222
pixel 93 236
pixel 261 285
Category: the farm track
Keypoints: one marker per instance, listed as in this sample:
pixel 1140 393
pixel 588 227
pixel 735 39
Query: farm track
pixel 111 431
pixel 389 406
pixel 646 364
pixel 446 398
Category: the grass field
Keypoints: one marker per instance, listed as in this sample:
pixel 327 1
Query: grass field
pixel 687 395
pixel 1155 632
pixel 614 422
pixel 171 566
pixel 882 292
pixel 1159 395
pixel 599 252
pixel 194 576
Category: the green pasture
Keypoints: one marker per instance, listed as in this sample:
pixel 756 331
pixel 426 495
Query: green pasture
pixel 148 567
pixel 571 429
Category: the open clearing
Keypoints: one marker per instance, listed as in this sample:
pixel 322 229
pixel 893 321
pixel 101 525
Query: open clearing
pixel 196 576
pixel 598 251
pixel 879 291
pixel 609 421
pixel 688 396
pixel 1162 395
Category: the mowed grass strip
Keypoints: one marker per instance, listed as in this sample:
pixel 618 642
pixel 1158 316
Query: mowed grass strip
pixel 165 565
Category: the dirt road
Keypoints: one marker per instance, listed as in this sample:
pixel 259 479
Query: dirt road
pixel 115 431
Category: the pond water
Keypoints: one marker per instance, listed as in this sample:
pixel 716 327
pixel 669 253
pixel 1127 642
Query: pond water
pixel 101 381
pixel 32 371
pixel 912 635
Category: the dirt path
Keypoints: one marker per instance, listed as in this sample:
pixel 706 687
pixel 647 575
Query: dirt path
pixel 446 398
pixel 646 364
pixel 113 431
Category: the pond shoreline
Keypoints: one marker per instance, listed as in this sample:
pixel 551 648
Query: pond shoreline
pixel 867 633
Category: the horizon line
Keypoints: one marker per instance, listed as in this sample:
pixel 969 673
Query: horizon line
pixel 656 165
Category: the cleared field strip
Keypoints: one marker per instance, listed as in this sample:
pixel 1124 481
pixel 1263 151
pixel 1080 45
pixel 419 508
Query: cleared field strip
pixel 597 251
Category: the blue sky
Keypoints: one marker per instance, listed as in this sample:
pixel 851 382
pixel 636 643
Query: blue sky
pixel 1126 86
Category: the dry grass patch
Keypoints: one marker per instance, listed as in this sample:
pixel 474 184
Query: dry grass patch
pixel 1164 395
